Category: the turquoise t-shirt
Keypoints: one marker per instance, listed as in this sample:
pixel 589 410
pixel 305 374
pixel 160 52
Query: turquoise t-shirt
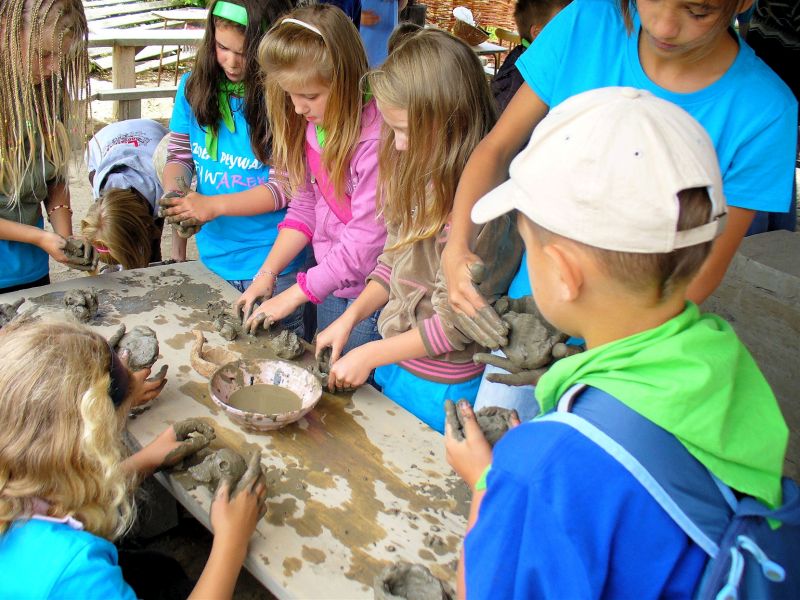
pixel 46 559
pixel 749 113
pixel 233 247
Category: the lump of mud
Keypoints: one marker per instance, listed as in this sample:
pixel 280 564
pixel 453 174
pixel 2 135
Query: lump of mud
pixel 142 343
pixel 494 421
pixel 224 322
pixel 222 464
pixel 405 581
pixel 287 345
pixel 82 303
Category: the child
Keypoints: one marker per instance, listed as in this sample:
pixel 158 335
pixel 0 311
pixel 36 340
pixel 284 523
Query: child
pixel 683 52
pixel 378 20
pixel 433 96
pixel 530 16
pixel 44 72
pixel 220 133
pixel 122 224
pixel 65 490
pixel 326 136
pixel 637 201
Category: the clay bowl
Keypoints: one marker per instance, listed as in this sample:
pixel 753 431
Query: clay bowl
pixel 232 376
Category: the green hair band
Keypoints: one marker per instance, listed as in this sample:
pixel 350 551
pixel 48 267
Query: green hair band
pixel 232 12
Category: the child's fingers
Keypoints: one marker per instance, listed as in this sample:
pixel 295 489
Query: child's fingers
pixel 452 426
pixel 159 377
pixel 471 428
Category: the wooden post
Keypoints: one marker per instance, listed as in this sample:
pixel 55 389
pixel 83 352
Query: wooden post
pixel 123 75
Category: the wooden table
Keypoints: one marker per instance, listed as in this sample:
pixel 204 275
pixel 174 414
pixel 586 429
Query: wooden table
pixel 181 16
pixel 494 50
pixel 356 484
pixel 125 43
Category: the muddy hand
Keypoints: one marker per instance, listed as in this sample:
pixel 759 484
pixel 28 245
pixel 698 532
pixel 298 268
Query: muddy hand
pixel 501 362
pixel 486 328
pixel 249 482
pixel 167 201
pixel 258 320
pixel 113 341
pixel 188 228
pixel 160 376
pixel 528 377
pixel 451 419
pixel 80 254
pixel 193 435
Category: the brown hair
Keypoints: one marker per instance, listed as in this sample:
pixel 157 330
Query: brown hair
pixel 337 59
pixel 122 221
pixel 41 118
pixel 728 9
pixel 528 13
pixel 663 272
pixel 202 86
pixel 59 432
pixel 439 80
pixel 402 32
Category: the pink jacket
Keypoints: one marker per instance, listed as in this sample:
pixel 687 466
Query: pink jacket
pixel 346 240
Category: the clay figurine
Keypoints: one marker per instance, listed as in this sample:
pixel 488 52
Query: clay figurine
pixel 533 344
pixel 206 359
pixel 224 322
pixel 494 421
pixel 222 464
pixel 82 303
pixel 287 345
pixel 403 580
pixel 194 435
pixel 141 342
pixel 80 254
pixel 486 327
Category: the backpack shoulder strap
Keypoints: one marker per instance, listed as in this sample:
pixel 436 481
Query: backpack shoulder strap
pixel 697 502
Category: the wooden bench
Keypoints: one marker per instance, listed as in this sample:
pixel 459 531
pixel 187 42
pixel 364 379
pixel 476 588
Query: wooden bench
pixel 134 94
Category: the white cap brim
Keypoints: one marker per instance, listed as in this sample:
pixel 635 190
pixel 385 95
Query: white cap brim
pixel 503 199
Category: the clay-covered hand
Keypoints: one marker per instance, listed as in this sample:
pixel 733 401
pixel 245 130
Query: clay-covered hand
pixel 183 439
pixel 80 254
pixel 253 478
pixel 234 517
pixel 403 580
pixel 191 205
pixel 261 289
pixel 494 421
pixel 469 457
pixel 335 338
pixel 458 269
pixel 142 388
pixel 185 226
pixel 351 370
pixel 482 324
pixel 270 311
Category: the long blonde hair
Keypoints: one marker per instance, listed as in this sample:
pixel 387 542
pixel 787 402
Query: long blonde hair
pixel 123 222
pixel 439 80
pixel 41 117
pixel 290 52
pixel 59 434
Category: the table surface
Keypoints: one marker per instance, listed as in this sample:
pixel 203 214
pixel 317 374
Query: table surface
pixel 356 484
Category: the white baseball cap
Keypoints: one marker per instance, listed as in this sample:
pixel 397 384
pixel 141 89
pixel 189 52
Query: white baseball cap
pixel 605 167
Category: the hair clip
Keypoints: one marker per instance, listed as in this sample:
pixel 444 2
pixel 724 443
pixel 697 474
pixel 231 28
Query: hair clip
pixel 303 24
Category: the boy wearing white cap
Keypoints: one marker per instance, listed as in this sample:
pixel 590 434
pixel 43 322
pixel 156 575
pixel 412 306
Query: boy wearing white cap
pixel 619 197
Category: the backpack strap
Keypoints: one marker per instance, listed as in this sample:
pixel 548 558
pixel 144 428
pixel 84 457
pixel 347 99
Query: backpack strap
pixel 340 208
pixel 698 503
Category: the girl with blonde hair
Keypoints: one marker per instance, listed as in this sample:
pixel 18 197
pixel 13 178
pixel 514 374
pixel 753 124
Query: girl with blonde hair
pixel 436 103
pixel 326 134
pixel 65 486
pixel 43 91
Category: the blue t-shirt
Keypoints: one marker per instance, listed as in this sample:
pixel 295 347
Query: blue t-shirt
pixel 562 519
pixel 44 559
pixel 233 247
pixel 376 37
pixel 749 113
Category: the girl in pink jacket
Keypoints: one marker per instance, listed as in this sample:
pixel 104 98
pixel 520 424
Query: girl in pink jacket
pixel 326 136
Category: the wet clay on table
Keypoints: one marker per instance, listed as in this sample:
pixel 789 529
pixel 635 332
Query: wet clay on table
pixel 222 464
pixel 10 312
pixel 494 421
pixel 287 345
pixel 82 303
pixel 228 326
pixel 403 580
pixel 265 399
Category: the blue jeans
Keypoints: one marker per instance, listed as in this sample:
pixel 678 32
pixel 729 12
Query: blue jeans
pixel 294 320
pixel 364 332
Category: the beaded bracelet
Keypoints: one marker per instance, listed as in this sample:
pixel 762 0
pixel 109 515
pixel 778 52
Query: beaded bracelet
pixel 50 211
pixel 266 272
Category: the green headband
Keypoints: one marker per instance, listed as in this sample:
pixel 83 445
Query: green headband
pixel 232 12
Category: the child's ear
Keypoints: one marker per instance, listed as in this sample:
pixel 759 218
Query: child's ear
pixel 568 271
pixel 535 31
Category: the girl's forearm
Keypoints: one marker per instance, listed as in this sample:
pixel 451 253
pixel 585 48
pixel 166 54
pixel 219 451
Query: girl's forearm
pixel 373 297
pixel 219 576
pixel 405 346
pixel 287 246
pixel 59 202
pixel 17 232
pixel 255 201
pixel 169 179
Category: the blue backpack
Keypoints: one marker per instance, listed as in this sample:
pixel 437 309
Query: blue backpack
pixel 747 558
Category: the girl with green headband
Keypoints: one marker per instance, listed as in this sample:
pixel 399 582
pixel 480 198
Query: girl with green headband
pixel 219 134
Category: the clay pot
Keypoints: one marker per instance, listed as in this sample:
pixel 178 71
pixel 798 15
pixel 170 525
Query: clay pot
pixel 207 359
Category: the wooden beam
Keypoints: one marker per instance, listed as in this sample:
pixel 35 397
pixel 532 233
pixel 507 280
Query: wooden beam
pixel 167 91
pixel 123 75
pixel 103 38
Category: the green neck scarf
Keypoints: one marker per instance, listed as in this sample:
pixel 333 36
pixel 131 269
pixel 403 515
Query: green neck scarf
pixel 226 90
pixel 693 377
pixel 320 131
pixel 525 43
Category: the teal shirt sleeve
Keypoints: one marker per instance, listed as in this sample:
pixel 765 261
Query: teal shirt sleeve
pixel 94 573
